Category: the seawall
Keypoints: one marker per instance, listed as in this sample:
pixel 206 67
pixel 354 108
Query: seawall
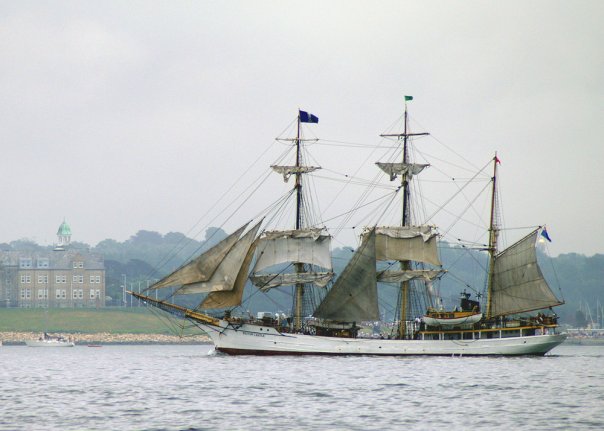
pixel 18 338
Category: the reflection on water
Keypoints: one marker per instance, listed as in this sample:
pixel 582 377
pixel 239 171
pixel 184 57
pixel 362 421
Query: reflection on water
pixel 191 387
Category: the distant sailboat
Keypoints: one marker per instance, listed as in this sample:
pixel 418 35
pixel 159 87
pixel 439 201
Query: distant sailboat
pixel 50 341
pixel 301 257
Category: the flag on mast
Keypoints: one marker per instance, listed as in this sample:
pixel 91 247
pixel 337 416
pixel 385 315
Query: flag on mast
pixel 305 117
pixel 545 235
pixel 408 98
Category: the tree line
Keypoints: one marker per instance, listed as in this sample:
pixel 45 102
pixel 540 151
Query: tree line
pixel 148 256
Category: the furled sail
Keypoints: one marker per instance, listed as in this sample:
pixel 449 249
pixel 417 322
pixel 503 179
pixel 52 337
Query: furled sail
pixel 395 169
pixel 292 246
pixel 397 276
pixel 232 298
pixel 417 243
pixel 288 171
pixel 353 297
pixel 202 267
pixel 518 283
pixel 268 281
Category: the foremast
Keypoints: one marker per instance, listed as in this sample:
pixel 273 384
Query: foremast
pixel 405 220
pixel 299 267
pixel 304 237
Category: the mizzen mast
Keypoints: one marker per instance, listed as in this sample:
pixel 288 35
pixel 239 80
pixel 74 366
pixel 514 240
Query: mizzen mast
pixel 493 234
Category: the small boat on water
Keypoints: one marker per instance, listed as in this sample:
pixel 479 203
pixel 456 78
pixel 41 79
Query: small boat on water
pixel 50 341
pixel 467 313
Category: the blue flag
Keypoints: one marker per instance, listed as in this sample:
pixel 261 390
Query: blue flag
pixel 545 235
pixel 305 117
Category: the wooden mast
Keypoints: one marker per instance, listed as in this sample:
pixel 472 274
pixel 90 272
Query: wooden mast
pixel 493 234
pixel 405 221
pixel 405 265
pixel 299 292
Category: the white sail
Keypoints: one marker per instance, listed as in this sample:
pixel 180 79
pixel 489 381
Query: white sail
pixel 353 297
pixel 394 169
pixel 397 276
pixel 226 273
pixel 416 243
pixel 202 267
pixel 518 283
pixel 288 171
pixel 268 281
pixel 307 246
pixel 297 246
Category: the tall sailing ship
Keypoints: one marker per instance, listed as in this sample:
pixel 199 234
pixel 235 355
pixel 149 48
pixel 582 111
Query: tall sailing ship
pixel 328 311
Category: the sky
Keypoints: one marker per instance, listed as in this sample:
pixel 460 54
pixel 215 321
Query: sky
pixel 120 116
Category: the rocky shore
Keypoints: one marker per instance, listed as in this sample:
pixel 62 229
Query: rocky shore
pixel 18 338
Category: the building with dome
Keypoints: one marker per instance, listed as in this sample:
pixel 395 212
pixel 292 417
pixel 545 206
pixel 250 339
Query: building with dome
pixel 63 235
pixel 60 277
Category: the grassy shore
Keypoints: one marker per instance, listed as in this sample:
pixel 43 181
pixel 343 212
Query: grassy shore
pixel 87 321
pixel 102 326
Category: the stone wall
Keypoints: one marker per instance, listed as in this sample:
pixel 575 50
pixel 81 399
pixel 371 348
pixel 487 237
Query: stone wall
pixel 8 338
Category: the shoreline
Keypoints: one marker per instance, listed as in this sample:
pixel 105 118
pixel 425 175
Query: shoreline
pixel 104 338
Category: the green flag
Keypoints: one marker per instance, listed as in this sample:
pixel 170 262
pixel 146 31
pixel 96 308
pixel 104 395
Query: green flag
pixel 407 98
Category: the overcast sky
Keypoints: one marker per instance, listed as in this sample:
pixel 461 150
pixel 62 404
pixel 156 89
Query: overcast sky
pixel 120 116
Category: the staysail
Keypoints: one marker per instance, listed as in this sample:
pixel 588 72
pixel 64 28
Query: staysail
pixel 307 246
pixel 518 283
pixel 232 298
pixel 353 297
pixel 202 267
pixel 223 278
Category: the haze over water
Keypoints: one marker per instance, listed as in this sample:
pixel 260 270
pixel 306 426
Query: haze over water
pixel 184 387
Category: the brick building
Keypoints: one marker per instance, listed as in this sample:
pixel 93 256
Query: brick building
pixel 59 277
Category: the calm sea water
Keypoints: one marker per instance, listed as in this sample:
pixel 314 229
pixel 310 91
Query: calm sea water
pixel 188 387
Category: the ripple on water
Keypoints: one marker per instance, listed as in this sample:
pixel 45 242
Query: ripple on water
pixel 182 387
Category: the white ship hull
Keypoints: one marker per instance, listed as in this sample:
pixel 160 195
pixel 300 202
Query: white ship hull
pixel 49 343
pixel 265 340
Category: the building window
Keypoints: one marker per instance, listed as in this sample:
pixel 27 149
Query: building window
pixel 42 279
pixel 26 293
pixel 95 293
pixel 77 294
pixel 25 262
pixel 95 279
pixel 61 294
pixel 43 262
pixel 78 264
pixel 78 279
pixel 26 279
pixel 42 293
pixel 61 279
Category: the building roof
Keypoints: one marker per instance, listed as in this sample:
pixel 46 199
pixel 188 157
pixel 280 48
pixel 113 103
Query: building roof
pixel 57 260
pixel 64 229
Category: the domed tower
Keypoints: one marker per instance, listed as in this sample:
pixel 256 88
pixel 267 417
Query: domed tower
pixel 64 235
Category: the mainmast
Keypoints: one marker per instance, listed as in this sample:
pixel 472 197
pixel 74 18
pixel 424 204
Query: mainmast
pixel 493 234
pixel 405 219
